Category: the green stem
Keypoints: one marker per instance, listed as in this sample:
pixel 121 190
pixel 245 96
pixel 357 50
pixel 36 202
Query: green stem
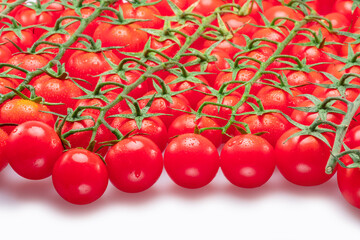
pixel 85 22
pixel 340 134
pixel 11 6
pixel 264 66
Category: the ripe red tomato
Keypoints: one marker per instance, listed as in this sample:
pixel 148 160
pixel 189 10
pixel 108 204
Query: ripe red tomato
pixel 130 37
pixel 272 124
pixel 348 182
pixel 206 7
pixel 191 160
pixel 152 128
pixel 352 137
pixel 29 17
pixel 302 159
pixel 240 24
pixel 149 13
pixel 282 11
pixel 32 149
pixel 85 13
pixel 165 9
pixel 186 123
pixel 223 112
pixel 297 78
pixel 161 105
pixel 82 139
pixel 314 55
pixel 26 40
pixel 80 176
pixel 134 164
pixel 131 77
pixel 247 161
pixel 307 118
pixel 7 82
pixel 30 62
pixel 110 96
pixel 57 91
pixel 21 110
pixel 86 65
pixel 196 91
pixel 5 54
pixel 275 98
pixel 3 142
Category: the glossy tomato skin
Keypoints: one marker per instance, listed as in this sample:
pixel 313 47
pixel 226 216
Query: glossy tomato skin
pixel 129 37
pixel 191 160
pixel 25 41
pixel 161 105
pixel 186 123
pixel 149 13
pixel 7 82
pixel 82 139
pixel 5 54
pixel 28 61
pixel 152 127
pixel 165 9
pixel 86 65
pixel 348 180
pixel 57 91
pixel 80 176
pixel 22 110
pixel 302 159
pixel 352 137
pixel 134 164
pixel 272 124
pixel 27 16
pixel 247 161
pixel 3 141
pixel 32 149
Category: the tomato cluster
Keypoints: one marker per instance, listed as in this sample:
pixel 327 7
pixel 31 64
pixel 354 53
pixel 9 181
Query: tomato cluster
pixel 92 91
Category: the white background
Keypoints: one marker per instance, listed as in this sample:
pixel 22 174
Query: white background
pixel 278 210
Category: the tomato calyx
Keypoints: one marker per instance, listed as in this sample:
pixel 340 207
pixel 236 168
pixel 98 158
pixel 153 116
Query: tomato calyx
pixel 315 39
pixel 39 7
pixel 351 60
pixel 119 17
pixel 166 33
pixel 342 84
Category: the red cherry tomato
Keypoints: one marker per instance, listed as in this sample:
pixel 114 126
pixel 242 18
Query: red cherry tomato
pixel 32 149
pixel 80 176
pixel 247 161
pixel 348 181
pixel 134 164
pixel 302 159
pixel 191 160
pixel 186 123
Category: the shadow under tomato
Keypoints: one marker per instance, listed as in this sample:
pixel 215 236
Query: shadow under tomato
pixel 16 188
pixel 279 185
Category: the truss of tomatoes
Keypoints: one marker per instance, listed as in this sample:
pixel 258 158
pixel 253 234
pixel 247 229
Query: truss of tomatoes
pixel 98 90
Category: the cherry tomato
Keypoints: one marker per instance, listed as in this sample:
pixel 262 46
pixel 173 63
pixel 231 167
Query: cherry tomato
pixel 191 160
pixel 247 161
pixel 86 65
pixel 57 91
pixel 152 128
pixel 348 181
pixel 134 164
pixel 80 176
pixel 186 123
pixel 21 110
pixel 302 159
pixel 32 149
